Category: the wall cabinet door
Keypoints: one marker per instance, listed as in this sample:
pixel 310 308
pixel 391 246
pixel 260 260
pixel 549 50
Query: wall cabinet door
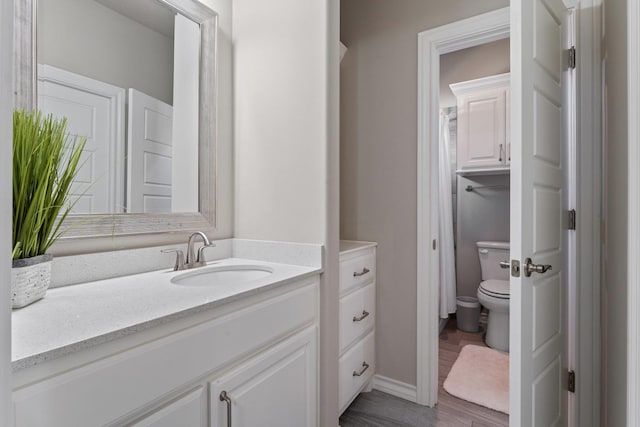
pixel 276 388
pixel 483 140
pixel 482 130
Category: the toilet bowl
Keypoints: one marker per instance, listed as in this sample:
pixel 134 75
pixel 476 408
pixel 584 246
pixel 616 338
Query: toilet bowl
pixel 493 292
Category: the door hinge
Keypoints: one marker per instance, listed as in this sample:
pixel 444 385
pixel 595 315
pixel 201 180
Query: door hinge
pixel 434 245
pixel 571 385
pixel 572 57
pixel 572 219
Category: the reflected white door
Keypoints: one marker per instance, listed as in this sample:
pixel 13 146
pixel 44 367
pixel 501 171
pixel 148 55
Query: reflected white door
pixel 94 110
pixel 537 312
pixel 149 154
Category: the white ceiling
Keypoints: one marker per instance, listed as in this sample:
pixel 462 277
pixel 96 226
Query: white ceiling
pixel 150 13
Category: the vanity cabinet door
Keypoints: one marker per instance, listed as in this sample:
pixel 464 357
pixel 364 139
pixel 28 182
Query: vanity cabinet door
pixel 276 388
pixel 187 411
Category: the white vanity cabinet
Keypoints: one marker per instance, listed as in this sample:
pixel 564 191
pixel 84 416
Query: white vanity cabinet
pixel 357 319
pixel 272 389
pixel 188 410
pixel 261 349
pixel 483 136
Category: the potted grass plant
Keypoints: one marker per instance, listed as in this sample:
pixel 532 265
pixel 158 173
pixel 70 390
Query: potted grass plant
pixel 45 163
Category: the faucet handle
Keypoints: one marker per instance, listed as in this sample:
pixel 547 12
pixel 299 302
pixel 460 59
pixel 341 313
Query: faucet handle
pixel 201 259
pixel 179 258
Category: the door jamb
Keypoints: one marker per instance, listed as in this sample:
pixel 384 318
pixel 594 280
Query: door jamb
pixel 489 27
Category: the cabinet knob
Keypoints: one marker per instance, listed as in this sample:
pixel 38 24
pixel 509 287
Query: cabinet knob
pixel 224 397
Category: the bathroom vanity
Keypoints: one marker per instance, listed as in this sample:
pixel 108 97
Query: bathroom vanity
pixel 161 349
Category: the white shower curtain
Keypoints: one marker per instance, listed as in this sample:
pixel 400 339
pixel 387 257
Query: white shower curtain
pixel 447 254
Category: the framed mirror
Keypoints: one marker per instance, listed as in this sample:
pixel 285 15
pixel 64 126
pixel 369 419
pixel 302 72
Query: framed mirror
pixel 138 80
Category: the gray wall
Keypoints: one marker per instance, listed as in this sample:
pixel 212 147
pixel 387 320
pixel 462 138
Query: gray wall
pixel 85 37
pixel 615 269
pixel 472 63
pixel 378 153
pixel 483 214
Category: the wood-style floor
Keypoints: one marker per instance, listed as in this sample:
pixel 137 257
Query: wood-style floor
pixel 377 409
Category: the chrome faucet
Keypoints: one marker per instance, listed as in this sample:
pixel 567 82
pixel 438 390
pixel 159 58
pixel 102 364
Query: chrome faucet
pixel 199 261
pixel 192 261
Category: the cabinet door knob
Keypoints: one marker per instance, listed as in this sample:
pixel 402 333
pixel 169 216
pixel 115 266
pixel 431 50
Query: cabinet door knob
pixel 364 271
pixel 365 313
pixel 224 397
pixel 365 366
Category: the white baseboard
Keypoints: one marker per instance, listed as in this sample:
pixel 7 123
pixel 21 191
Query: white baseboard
pixel 395 388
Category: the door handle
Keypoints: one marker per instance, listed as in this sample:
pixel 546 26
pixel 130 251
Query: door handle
pixel 530 267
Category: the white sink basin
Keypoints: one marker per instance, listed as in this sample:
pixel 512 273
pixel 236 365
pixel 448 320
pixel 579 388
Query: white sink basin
pixel 222 275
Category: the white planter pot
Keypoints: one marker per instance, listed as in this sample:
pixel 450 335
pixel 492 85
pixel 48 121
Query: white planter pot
pixel 30 279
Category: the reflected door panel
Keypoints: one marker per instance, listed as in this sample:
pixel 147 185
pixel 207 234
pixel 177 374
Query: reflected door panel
pixel 89 107
pixel 149 154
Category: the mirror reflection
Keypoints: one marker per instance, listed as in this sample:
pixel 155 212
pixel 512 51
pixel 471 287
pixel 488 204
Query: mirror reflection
pixel 126 76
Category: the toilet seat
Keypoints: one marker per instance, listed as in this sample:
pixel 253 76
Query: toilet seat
pixel 495 288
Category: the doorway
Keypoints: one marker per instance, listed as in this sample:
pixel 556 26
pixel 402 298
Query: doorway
pixel 472 32
pixel 464 34
pixel 473 236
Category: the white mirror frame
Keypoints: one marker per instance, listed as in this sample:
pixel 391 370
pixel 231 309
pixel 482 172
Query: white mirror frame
pixel 129 224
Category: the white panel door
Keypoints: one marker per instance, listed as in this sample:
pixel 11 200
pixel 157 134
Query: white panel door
pixel 538 301
pixel 149 154
pixel 276 388
pixel 94 110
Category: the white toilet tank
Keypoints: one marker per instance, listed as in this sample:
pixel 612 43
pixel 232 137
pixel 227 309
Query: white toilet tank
pixel 490 254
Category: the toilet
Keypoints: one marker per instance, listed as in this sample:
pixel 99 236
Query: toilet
pixel 493 292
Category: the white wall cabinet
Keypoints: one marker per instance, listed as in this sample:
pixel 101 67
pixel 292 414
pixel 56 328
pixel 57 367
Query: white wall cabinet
pixel 261 349
pixel 357 319
pixel 483 137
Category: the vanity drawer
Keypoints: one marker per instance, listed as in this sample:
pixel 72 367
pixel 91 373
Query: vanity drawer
pixel 148 373
pixel 353 362
pixel 357 270
pixel 357 314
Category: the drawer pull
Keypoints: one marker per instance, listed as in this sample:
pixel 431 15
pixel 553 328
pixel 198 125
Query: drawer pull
pixel 364 271
pixel 365 366
pixel 224 397
pixel 365 313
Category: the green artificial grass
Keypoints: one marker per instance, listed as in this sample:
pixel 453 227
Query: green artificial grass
pixel 45 163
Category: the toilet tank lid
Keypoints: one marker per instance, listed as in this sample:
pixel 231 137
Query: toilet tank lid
pixel 494 245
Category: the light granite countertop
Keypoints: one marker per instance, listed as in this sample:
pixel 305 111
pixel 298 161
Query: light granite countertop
pixel 72 318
